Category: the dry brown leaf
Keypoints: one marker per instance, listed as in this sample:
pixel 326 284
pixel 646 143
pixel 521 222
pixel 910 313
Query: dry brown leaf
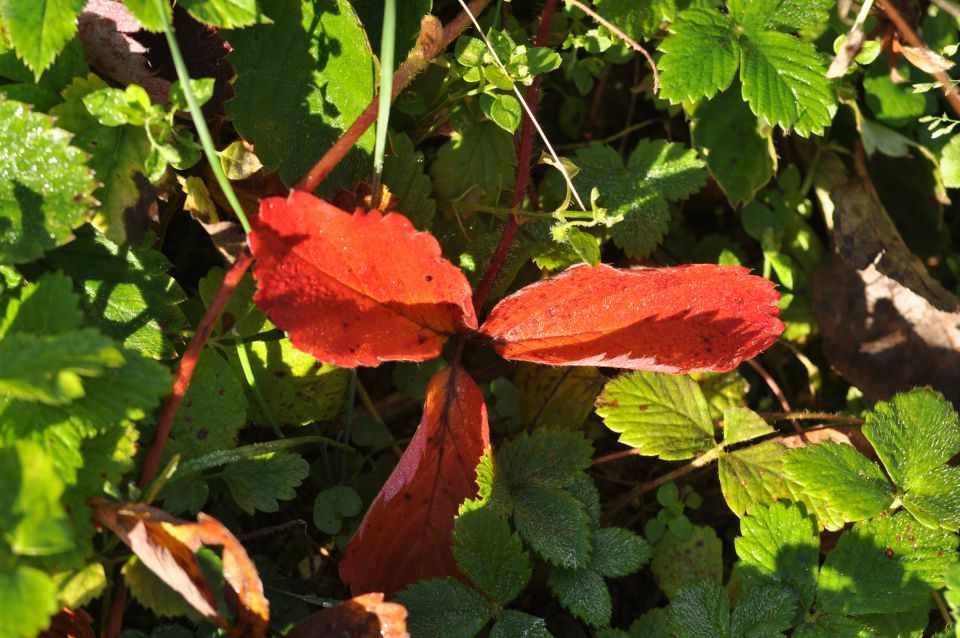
pixel 923 58
pixel 365 616
pixel 69 623
pixel 166 545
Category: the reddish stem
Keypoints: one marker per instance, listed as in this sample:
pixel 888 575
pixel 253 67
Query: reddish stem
pixel 189 362
pixel 427 48
pixel 115 620
pixel 523 170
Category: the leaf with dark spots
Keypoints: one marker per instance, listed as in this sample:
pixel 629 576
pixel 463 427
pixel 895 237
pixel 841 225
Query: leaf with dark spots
pixel 406 534
pixel 352 289
pixel 676 320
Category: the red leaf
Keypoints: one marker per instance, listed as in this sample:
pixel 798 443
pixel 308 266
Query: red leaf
pixel 685 319
pixel 166 546
pixel 405 536
pixel 355 289
pixel 365 616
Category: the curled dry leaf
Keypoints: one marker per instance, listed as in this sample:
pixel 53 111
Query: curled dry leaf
pixel 923 58
pixel 365 616
pixel 676 320
pixel 355 289
pixel 166 545
pixel 405 535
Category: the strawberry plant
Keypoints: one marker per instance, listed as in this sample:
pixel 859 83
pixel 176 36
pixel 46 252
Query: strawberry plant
pixel 297 339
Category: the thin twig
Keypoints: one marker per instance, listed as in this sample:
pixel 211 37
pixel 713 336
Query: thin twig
pixel 633 44
pixel 812 416
pixel 777 392
pixel 948 6
pixel 426 50
pixel 612 138
pixel 914 40
pixel 523 170
pixel 189 361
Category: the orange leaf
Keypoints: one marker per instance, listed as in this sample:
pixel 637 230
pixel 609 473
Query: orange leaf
pixel 166 546
pixel 405 535
pixel 365 616
pixel 355 289
pixel 685 319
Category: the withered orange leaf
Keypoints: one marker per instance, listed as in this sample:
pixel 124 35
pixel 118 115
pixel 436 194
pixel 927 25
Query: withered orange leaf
pixel 405 535
pixel 166 545
pixel 355 289
pixel 684 319
pixel 365 616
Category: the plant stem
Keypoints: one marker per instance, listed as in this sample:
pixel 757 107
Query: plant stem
pixel 812 416
pixel 429 46
pixel 523 170
pixel 198 121
pixel 189 362
pixel 387 48
pixel 914 40
pixel 244 359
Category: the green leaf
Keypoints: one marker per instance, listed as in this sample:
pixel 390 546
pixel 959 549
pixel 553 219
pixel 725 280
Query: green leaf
pixel 909 624
pixel 755 476
pixel 726 134
pixel 45 187
pixel 503 109
pixel 657 172
pixel 639 20
pixel 839 474
pixel 256 484
pixel 295 100
pixel 226 14
pixel 784 15
pixel 547 457
pixel 296 388
pixel 46 307
pixel 885 565
pixel 914 433
pixel 950 163
pixel 784 80
pixel 934 498
pixel 700 57
pixel 32 519
pixel 39 29
pixel 743 424
pixel 76 588
pixel 490 555
pixel 893 104
pixel 52 369
pixel 651 624
pixel 403 173
pixel 542 60
pixel 584 593
pixel 475 166
pixel 554 525
pixel 618 552
pixel 444 609
pixel 765 611
pixel 558 394
pixel 677 561
pixel 516 624
pixel 152 592
pixel 722 390
pixel 126 291
pixel 659 414
pixel 334 504
pixel 213 409
pixel 781 543
pixel 148 13
pixel 700 609
pixel 28 599
pixel 116 157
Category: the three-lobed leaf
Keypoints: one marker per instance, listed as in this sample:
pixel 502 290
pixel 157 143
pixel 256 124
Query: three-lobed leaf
pixel 490 555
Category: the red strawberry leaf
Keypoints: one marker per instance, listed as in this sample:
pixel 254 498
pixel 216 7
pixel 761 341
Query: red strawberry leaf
pixel 355 289
pixel 405 535
pixel 685 319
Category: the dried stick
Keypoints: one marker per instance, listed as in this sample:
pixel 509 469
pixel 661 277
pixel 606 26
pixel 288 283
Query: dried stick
pixel 523 170
pixel 427 49
pixel 633 44
pixel 914 40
